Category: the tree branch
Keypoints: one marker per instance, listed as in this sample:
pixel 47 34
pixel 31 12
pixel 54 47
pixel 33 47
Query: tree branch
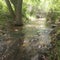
pixel 10 8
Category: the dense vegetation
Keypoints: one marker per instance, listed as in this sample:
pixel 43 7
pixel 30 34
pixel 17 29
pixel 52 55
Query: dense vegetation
pixel 15 14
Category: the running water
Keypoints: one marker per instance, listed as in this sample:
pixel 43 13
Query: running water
pixel 44 32
pixel 37 37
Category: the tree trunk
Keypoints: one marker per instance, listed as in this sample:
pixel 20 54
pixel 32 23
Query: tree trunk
pixel 18 12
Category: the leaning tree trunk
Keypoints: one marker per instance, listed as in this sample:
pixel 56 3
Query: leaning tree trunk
pixel 17 13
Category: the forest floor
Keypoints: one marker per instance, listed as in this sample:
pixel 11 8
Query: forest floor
pixel 36 40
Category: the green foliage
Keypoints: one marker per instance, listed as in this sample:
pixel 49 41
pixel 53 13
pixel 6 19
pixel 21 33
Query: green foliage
pixel 3 7
pixel 4 13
